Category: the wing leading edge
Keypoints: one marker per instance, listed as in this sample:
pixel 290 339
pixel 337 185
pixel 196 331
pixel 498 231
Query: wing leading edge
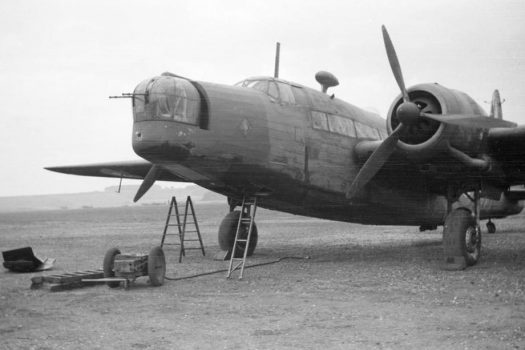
pixel 135 169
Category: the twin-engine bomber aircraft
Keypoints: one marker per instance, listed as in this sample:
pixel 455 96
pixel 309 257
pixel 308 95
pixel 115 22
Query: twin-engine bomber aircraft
pixel 439 160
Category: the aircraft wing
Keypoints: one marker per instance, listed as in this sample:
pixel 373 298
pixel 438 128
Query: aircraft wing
pixel 134 169
pixel 503 167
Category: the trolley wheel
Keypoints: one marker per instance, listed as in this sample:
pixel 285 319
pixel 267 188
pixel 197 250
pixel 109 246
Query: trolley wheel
pixel 109 262
pixel 156 266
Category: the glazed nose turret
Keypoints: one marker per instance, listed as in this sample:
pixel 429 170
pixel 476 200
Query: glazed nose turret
pixel 166 97
pixel 164 109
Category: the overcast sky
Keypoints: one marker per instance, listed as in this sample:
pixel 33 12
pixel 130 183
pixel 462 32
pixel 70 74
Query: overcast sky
pixel 60 60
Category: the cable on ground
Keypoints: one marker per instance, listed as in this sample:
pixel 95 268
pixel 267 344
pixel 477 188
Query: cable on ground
pixel 226 270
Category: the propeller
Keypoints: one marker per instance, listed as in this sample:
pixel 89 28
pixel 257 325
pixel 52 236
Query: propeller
pixel 394 64
pixel 149 180
pixel 407 112
pixel 375 162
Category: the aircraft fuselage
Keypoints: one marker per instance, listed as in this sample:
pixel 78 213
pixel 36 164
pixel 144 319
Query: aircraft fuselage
pixel 291 143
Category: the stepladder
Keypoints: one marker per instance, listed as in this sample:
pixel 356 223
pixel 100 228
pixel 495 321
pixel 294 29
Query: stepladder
pixel 243 236
pixel 185 223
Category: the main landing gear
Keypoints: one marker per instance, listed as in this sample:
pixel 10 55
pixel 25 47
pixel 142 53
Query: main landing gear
pixel 461 234
pixel 228 228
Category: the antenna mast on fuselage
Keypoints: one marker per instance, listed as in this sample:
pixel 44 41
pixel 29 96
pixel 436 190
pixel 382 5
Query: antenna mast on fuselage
pixel 277 53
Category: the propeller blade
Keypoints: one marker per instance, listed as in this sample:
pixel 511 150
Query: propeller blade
pixel 149 180
pixel 375 162
pixel 394 64
pixel 469 120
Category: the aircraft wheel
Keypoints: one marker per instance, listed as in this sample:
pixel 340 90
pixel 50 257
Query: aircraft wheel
pixel 107 265
pixel 491 228
pixel 156 266
pixel 227 230
pixel 461 236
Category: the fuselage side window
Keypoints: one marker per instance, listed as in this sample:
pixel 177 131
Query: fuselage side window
pixel 340 125
pixel 365 132
pixel 319 120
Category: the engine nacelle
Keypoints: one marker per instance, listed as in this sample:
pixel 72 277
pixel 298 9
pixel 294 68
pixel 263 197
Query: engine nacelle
pixel 427 138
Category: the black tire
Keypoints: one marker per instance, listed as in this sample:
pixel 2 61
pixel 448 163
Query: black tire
pixel 156 266
pixel 107 265
pixel 227 230
pixel 491 228
pixel 461 236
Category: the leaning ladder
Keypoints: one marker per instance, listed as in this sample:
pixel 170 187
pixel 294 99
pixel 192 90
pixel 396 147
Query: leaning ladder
pixel 182 227
pixel 248 209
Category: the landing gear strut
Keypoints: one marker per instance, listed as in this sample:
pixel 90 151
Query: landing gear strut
pixel 461 235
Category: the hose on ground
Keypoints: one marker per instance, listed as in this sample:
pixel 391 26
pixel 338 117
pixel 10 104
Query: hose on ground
pixel 226 270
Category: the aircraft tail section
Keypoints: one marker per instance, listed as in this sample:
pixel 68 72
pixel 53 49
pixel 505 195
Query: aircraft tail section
pixel 495 106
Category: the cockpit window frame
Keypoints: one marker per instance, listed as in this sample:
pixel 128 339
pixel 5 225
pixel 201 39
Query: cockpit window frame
pixel 274 95
pixel 286 94
pixel 278 91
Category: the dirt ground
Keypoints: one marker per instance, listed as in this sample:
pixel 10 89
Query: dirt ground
pixel 362 287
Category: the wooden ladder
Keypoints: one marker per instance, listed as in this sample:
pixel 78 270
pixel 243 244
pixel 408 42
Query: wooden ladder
pixel 247 217
pixel 182 227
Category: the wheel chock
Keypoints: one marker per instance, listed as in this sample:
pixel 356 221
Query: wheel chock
pixel 223 255
pixel 454 263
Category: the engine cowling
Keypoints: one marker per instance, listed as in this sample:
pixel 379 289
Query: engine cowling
pixel 423 122
pixel 426 138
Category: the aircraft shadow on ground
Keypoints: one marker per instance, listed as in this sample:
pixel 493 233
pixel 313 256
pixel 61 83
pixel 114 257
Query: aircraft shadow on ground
pixel 424 252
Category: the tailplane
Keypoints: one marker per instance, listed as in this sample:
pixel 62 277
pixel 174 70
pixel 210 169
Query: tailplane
pixel 495 106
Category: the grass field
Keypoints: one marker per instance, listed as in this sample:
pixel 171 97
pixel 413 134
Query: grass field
pixel 362 287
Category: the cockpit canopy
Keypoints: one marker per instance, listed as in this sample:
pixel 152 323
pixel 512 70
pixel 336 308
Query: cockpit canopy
pixel 277 90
